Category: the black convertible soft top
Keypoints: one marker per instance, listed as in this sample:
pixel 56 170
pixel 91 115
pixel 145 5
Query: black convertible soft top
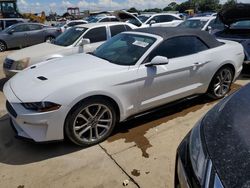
pixel 170 32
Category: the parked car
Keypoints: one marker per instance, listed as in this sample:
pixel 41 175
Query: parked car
pixel 84 96
pixel 203 23
pixel 237 26
pixel 155 20
pixel 72 41
pixel 216 151
pixel 98 19
pixel 7 22
pixel 26 34
pixel 68 24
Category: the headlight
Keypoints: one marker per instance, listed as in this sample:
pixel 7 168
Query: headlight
pixel 41 106
pixel 198 158
pixel 22 64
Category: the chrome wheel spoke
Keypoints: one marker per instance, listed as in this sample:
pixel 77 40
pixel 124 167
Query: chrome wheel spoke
pixel 77 128
pixel 96 132
pixel 84 131
pixel 82 116
pixel 104 120
pixel 103 126
pixel 88 112
pixel 91 134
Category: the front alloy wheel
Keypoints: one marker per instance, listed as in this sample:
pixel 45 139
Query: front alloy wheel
pixel 221 83
pixel 91 123
pixel 2 46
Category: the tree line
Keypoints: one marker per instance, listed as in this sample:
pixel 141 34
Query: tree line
pixel 196 5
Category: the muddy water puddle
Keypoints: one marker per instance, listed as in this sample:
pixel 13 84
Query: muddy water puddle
pixel 134 131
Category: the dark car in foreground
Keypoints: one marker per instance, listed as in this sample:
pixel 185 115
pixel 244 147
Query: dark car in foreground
pixel 216 152
pixel 237 26
pixel 26 34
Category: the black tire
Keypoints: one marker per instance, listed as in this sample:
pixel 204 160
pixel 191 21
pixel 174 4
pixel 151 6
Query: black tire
pixel 218 83
pixel 3 46
pixel 80 109
pixel 49 38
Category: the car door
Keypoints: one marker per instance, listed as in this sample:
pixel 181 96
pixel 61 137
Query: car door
pixel 97 36
pixel 175 80
pixel 18 36
pixel 36 34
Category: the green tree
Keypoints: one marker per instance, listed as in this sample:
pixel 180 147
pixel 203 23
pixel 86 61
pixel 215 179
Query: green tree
pixel 133 9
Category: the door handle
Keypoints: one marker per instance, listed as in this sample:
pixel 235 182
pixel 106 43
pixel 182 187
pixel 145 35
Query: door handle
pixel 200 64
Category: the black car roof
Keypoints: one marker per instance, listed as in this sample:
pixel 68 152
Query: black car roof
pixel 170 32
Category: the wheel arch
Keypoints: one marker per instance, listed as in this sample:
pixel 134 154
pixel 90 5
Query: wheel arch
pixel 114 102
pixel 225 64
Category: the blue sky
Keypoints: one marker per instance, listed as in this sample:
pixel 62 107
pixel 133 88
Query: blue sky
pixel 60 6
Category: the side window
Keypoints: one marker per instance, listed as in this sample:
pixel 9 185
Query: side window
pixel 116 29
pixel 34 27
pixel 104 20
pixel 178 47
pixel 166 18
pixel 96 35
pixel 128 28
pixel 21 28
pixel 10 23
pixel 114 20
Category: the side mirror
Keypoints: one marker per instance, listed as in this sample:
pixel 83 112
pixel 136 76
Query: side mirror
pixel 84 41
pixel 152 22
pixel 10 32
pixel 158 60
pixel 209 29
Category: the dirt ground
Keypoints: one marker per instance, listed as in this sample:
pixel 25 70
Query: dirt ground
pixel 141 150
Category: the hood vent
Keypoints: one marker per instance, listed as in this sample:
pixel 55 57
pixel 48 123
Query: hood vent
pixel 32 67
pixel 42 78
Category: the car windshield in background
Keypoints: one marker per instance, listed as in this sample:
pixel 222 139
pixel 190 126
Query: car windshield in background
pixel 193 24
pixel 61 24
pixel 143 18
pixel 69 36
pixel 241 25
pixel 94 20
pixel 124 49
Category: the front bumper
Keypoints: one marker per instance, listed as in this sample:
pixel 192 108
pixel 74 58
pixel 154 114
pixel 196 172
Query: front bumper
pixel 39 127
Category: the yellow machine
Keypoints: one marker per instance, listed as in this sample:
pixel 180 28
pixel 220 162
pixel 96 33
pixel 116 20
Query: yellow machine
pixel 35 17
pixel 190 12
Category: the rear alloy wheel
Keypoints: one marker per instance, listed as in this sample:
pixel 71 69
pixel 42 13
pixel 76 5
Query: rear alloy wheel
pixel 91 123
pixel 49 39
pixel 221 83
pixel 2 46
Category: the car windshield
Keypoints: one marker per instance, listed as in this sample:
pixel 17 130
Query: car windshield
pixel 61 24
pixel 69 36
pixel 143 18
pixel 94 20
pixel 241 25
pixel 124 49
pixel 195 23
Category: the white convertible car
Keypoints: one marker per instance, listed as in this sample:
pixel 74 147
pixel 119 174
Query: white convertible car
pixel 84 96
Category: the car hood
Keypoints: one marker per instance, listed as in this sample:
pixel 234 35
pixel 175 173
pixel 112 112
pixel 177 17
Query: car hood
pixel 226 130
pixel 37 82
pixel 40 50
pixel 235 13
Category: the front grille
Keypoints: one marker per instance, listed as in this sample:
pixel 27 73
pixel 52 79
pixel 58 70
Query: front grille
pixel 8 63
pixel 10 109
